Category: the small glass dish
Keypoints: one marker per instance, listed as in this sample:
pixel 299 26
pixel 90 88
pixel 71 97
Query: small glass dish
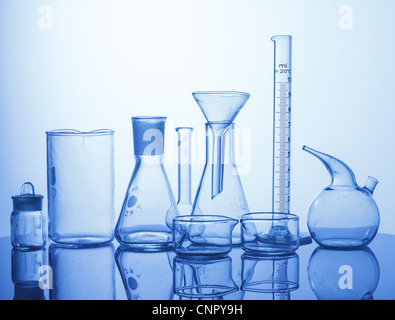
pixel 204 235
pixel 269 233
pixel 196 278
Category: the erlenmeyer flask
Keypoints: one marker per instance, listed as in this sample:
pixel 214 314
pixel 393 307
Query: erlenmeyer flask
pixel 149 207
pixel 231 201
pixel 146 275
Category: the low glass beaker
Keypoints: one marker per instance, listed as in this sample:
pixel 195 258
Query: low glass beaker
pixel 203 278
pixel 269 233
pixel 278 275
pixel 205 235
pixel 80 180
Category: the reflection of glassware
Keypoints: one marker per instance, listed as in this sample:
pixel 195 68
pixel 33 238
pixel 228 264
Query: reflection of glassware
pixel 28 223
pixel 149 207
pixel 278 275
pixel 343 274
pixel 203 278
pixel 145 275
pixel 203 235
pixel 28 273
pixel 231 201
pixel 282 123
pixel 184 204
pixel 343 214
pixel 80 186
pixel 270 233
pixel 84 273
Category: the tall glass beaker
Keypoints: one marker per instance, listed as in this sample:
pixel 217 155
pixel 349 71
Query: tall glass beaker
pixel 80 177
pixel 231 202
pixel 149 207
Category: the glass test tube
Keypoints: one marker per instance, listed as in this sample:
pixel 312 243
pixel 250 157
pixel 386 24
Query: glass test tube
pixel 184 170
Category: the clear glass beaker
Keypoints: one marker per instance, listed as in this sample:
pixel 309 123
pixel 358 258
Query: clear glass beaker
pixel 80 176
pixel 204 235
pixel 231 201
pixel 149 207
pixel 278 275
pixel 82 273
pixel 203 278
pixel 270 233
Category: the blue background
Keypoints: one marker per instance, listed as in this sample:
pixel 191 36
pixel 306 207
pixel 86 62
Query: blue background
pixel 105 61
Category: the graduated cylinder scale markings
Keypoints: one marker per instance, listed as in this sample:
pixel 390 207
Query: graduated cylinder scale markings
pixel 282 124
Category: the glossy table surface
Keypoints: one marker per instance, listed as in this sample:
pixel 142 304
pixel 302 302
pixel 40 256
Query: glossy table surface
pixel 112 272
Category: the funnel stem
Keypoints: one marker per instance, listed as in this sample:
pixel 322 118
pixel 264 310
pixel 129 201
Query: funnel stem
pixel 217 177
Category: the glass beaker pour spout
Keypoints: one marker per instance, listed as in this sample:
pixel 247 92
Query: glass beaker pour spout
pixel 220 108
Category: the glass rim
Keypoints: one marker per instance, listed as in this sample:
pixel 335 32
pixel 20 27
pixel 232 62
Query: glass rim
pixel 74 132
pixel 184 128
pixel 269 216
pixel 137 118
pixel 222 93
pixel 204 218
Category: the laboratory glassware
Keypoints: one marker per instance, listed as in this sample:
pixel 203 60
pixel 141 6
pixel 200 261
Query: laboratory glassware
pixel 28 222
pixel 204 235
pixel 83 272
pixel 343 214
pixel 80 176
pixel 282 124
pixel 220 108
pixel 220 191
pixel 203 278
pixel 146 275
pixel 270 233
pixel 231 202
pixel 28 267
pixel 149 207
pixel 278 275
pixel 336 274
pixel 184 204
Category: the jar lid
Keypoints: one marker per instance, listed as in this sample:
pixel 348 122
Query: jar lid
pixel 27 200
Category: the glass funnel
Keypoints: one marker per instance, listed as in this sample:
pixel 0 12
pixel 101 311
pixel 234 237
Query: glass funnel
pixel 149 207
pixel 231 202
pixel 220 108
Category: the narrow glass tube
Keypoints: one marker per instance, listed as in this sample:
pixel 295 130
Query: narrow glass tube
pixel 282 123
pixel 184 170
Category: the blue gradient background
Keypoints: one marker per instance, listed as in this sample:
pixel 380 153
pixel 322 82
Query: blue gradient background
pixel 105 61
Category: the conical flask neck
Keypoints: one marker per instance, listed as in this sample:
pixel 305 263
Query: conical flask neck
pixel 341 173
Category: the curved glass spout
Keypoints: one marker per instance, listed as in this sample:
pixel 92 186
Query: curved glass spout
pixel 220 108
pixel 341 173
